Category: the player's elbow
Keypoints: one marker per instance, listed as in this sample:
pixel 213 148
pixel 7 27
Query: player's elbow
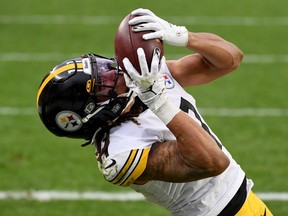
pixel 236 59
pixel 210 166
pixel 218 165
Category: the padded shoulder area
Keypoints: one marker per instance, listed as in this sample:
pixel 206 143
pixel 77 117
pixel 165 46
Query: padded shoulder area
pixel 124 168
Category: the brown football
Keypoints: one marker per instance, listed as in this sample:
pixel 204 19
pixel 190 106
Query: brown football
pixel 127 42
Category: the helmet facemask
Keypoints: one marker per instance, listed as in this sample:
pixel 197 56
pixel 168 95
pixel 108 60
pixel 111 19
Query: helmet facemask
pixel 104 74
pixel 96 66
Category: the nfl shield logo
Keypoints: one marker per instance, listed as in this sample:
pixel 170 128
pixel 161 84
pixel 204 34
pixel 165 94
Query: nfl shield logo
pixel 168 81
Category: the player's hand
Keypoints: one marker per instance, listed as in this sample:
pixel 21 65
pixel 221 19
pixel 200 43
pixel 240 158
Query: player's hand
pixel 146 20
pixel 150 85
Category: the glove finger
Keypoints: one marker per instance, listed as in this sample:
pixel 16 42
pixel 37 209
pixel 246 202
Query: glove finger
pixel 142 19
pixel 129 82
pixel 142 62
pixel 155 62
pixel 153 35
pixel 146 27
pixel 162 65
pixel 134 75
pixel 142 11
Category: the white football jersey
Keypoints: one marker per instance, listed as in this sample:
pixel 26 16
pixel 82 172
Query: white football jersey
pixel 128 152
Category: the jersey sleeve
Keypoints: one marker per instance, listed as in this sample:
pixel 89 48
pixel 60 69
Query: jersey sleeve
pixel 124 168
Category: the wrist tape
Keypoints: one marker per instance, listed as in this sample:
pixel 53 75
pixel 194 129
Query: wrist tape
pixel 167 111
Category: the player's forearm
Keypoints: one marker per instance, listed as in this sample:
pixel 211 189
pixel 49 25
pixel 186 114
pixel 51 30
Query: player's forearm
pixel 197 147
pixel 219 53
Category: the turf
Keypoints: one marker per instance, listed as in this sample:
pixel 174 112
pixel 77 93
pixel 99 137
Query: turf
pixel 33 159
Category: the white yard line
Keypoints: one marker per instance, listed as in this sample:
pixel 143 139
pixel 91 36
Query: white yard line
pixel 229 112
pixel 18 111
pixel 108 196
pixel 57 57
pixel 104 20
pixel 274 196
pixel 70 195
pixel 242 112
pixel 58 19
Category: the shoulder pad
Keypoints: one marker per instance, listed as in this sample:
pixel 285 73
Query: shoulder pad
pixel 124 168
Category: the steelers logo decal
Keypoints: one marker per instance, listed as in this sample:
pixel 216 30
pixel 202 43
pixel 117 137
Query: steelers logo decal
pixel 68 121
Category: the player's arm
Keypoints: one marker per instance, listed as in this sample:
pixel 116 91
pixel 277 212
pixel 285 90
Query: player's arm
pixel 214 56
pixel 195 154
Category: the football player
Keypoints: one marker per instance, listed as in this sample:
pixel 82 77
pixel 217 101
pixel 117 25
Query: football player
pixel 147 130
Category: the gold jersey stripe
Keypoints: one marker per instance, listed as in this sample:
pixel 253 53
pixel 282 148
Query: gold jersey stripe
pixel 139 168
pixel 126 166
pixel 55 73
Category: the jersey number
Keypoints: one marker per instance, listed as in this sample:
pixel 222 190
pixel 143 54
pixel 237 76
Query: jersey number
pixel 185 106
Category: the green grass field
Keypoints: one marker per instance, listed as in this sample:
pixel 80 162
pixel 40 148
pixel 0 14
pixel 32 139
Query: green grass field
pixel 36 35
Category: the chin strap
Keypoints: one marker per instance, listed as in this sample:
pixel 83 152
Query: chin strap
pixel 130 95
pixel 115 108
pixel 110 112
pixel 86 118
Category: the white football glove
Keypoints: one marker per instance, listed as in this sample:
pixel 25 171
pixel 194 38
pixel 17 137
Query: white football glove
pixel 146 20
pixel 150 86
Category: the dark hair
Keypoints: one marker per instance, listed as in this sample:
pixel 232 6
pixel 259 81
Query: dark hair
pixel 104 133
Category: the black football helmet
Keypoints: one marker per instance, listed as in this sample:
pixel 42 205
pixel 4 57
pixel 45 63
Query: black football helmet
pixel 74 99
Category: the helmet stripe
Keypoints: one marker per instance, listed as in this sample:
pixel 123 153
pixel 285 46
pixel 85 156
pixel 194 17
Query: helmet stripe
pixel 55 73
